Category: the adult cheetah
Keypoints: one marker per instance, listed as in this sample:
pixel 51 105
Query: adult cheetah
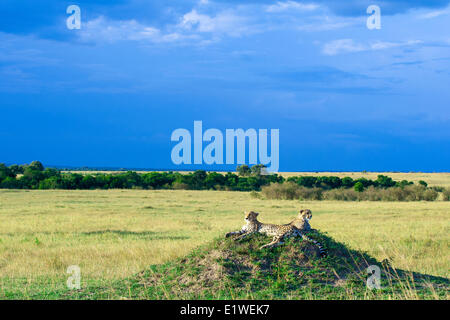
pixel 302 220
pixel 279 232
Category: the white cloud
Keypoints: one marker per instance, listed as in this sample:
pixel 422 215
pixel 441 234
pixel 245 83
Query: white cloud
pixel 380 45
pixel 342 45
pixel 224 22
pixel 434 14
pixel 281 6
pixel 105 30
pixel 202 28
pixel 348 45
pixel 324 26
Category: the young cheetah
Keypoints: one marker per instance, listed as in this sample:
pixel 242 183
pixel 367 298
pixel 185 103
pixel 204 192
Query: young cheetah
pixel 279 232
pixel 302 220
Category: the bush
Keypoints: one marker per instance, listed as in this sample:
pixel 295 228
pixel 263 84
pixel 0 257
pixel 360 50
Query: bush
pixel 446 194
pixel 244 170
pixel 291 191
pixel 255 194
pixel 403 183
pixel 180 186
pixel 385 181
pixel 423 183
pixel 10 183
pixel 359 187
pixel 342 194
pixel 285 191
pixel 438 189
pixel 429 195
pixel 408 193
pixel 310 193
pixel 348 182
pixel 49 183
pixel 5 172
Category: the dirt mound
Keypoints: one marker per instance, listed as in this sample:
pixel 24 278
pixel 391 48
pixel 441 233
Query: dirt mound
pixel 227 268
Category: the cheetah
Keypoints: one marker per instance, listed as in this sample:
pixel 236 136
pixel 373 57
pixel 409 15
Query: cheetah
pixel 302 220
pixel 279 232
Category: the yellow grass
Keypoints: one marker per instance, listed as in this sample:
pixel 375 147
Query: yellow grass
pixel 115 233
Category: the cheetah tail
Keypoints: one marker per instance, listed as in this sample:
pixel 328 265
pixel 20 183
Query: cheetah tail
pixel 322 250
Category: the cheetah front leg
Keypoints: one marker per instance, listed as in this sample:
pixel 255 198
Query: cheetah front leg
pixel 229 234
pixel 277 240
pixel 245 235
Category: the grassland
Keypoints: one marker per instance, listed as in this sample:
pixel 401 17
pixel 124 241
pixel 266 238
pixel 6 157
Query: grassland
pixel 112 234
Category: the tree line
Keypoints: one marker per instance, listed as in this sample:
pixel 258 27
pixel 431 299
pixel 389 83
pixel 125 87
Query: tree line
pixel 35 176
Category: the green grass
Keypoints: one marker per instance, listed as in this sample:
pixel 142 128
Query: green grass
pixel 116 234
pixel 225 269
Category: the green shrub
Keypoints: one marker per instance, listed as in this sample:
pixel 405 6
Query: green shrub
pixel 423 183
pixel 359 187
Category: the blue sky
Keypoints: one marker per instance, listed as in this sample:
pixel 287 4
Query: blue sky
pixel 110 94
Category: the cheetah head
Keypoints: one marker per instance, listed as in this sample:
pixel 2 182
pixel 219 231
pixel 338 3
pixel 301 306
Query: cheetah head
pixel 305 214
pixel 251 216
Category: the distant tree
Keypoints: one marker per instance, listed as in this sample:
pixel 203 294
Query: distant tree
pixel 384 181
pixel 10 183
pixel 198 179
pixel 36 165
pixel 328 182
pixel 157 180
pixel 243 170
pixel 307 181
pixel 347 182
pixel 257 169
pixel 88 182
pixel 359 187
pixel 403 183
pixel 49 183
pixel 33 176
pixel 5 172
pixel 51 172
pixel 243 184
pixel 15 169
pixel 132 179
pixel 103 181
pixel 25 182
pixel 71 181
pixel 231 180
pixel 214 179
pixel 423 183
pixel 365 182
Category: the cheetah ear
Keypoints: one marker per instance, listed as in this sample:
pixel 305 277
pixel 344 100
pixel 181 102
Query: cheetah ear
pixel 301 210
pixel 256 213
